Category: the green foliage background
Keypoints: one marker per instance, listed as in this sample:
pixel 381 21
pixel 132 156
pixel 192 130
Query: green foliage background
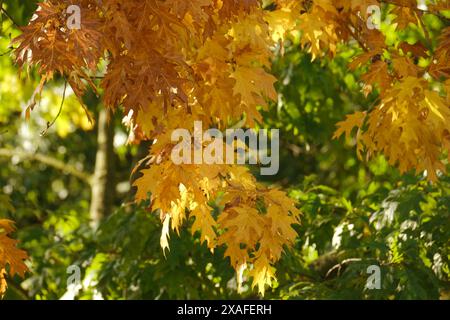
pixel 355 213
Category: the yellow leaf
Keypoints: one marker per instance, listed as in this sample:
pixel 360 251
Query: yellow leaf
pixel 263 274
pixel 410 127
pixel 353 120
pixel 251 81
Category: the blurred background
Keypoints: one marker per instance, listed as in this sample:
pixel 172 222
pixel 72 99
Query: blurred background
pixel 68 189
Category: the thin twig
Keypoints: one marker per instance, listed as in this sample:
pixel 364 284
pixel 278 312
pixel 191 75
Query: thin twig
pixel 50 124
pixel 7 52
pixel 339 266
pixel 9 16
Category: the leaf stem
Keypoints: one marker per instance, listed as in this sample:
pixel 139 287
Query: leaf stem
pixel 50 124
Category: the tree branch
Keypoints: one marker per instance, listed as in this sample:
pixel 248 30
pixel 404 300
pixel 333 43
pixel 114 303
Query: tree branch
pixel 103 182
pixel 49 161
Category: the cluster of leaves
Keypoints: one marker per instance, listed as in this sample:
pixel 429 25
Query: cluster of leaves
pixel 208 65
pixel 172 62
pixel 405 74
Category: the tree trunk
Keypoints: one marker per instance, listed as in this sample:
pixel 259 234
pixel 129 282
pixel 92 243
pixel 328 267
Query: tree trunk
pixel 103 189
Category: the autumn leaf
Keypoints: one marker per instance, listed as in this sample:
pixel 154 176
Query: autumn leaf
pixel 378 74
pixel 405 67
pixel 353 120
pixel 11 258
